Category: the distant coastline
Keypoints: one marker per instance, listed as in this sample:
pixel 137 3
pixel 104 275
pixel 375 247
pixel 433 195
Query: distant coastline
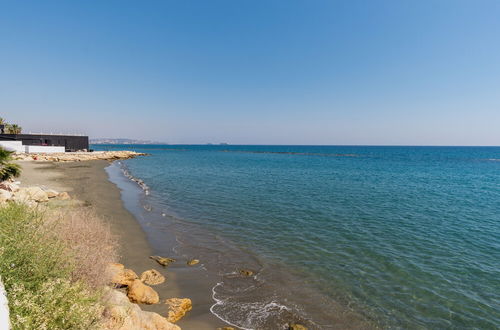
pixel 123 141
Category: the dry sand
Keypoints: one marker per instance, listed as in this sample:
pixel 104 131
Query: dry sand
pixel 88 182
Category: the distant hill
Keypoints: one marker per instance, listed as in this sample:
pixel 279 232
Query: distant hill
pixel 122 141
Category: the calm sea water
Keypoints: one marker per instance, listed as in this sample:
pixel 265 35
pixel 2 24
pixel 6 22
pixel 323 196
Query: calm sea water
pixel 390 237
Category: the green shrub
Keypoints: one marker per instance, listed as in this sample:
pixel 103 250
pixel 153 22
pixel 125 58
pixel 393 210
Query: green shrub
pixel 36 269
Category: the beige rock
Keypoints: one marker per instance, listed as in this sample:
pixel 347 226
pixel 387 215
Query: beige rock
pixel 140 293
pixel 193 262
pixel 152 277
pixel 5 196
pixel 35 194
pixel 177 308
pixel 121 314
pixel 162 260
pixel 119 275
pixel 226 328
pixel 9 186
pixel 296 326
pixel 246 272
pixel 51 193
pixel 63 196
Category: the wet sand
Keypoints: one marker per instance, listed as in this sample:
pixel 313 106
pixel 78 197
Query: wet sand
pixel 89 182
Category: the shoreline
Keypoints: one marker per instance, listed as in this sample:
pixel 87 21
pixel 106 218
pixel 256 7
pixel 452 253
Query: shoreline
pixel 90 183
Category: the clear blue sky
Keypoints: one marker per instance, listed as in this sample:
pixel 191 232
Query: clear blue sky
pixel 255 72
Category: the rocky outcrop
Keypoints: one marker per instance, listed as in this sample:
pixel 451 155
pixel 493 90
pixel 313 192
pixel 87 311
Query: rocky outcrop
pixel 121 276
pixel 121 314
pixel 32 196
pixel 78 156
pixel 177 308
pixel 35 194
pixel 140 293
pixel 162 260
pixel 152 277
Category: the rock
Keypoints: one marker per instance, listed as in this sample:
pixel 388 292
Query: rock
pixel 140 293
pixel 121 314
pixel 9 186
pixel 119 275
pixel 35 194
pixel 63 196
pixel 5 195
pixel 51 193
pixel 177 308
pixel 296 326
pixel 162 260
pixel 152 277
pixel 226 328
pixel 192 262
pixel 246 272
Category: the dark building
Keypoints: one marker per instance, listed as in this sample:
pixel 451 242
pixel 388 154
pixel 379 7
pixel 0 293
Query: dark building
pixel 70 142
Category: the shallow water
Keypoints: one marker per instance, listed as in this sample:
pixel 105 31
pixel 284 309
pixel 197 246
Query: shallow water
pixel 339 237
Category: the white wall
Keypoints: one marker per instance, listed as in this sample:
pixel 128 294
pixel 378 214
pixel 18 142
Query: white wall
pixel 12 146
pixel 4 308
pixel 43 149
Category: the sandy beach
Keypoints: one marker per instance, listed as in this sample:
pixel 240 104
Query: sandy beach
pixel 88 182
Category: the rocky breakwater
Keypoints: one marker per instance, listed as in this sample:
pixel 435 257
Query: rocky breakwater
pixel 78 156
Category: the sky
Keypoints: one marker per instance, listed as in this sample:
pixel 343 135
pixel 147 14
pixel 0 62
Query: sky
pixel 329 72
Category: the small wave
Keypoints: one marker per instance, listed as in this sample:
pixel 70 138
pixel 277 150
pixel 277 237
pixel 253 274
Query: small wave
pixel 139 182
pixel 251 312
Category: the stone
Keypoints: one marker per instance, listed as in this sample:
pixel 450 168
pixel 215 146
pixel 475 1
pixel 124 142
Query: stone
pixel 246 272
pixel 5 195
pixel 51 193
pixel 35 194
pixel 162 260
pixel 226 328
pixel 63 196
pixel 152 277
pixel 177 308
pixel 296 326
pixel 140 293
pixel 119 275
pixel 120 314
pixel 9 186
pixel 193 262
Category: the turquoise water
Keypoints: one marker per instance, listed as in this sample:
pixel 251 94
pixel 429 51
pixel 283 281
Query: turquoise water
pixel 391 237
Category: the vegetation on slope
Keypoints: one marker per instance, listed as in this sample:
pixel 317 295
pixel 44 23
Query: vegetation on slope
pixel 53 273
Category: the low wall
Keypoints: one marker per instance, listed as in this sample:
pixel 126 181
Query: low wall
pixel 16 146
pixel 4 308
pixel 43 149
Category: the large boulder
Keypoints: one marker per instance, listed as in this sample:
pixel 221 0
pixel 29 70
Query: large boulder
pixel 121 314
pixel 140 293
pixel 35 194
pixel 119 275
pixel 152 277
pixel 177 308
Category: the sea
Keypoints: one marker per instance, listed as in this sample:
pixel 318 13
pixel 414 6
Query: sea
pixel 335 237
